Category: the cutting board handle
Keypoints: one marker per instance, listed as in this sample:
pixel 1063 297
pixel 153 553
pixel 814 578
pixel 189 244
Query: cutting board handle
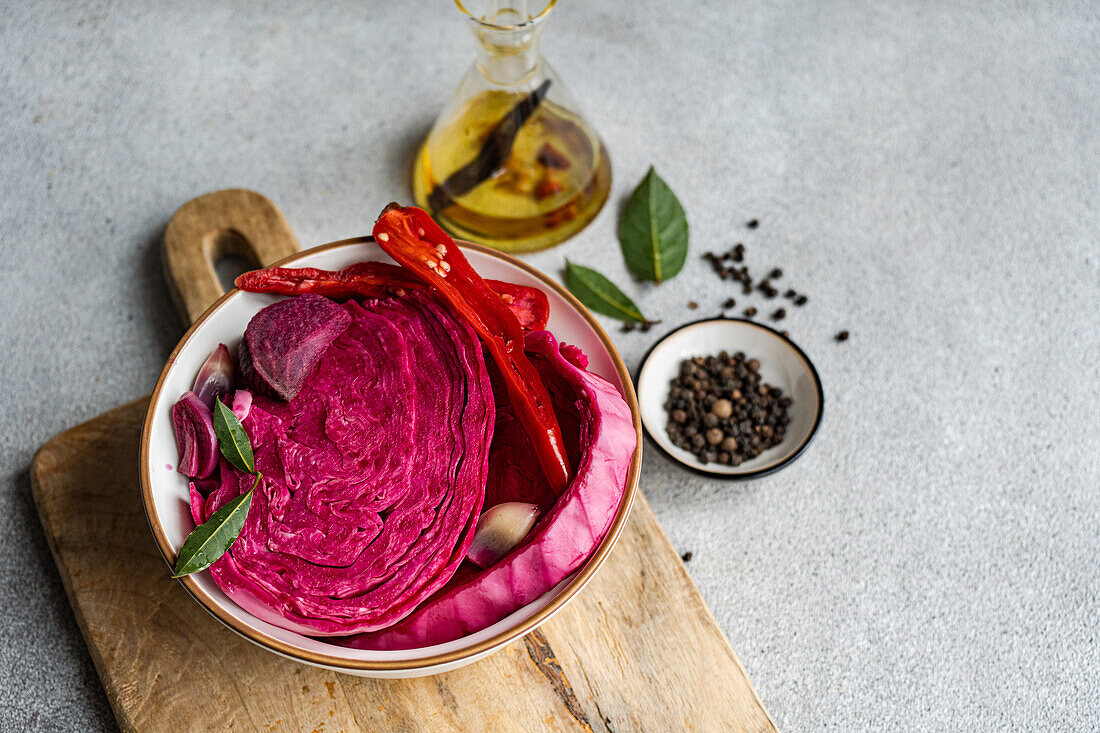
pixel 234 222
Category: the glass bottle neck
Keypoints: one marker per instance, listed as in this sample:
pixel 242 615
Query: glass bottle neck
pixel 507 57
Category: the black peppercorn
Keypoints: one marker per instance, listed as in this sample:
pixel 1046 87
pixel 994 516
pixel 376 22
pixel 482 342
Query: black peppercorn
pixel 721 411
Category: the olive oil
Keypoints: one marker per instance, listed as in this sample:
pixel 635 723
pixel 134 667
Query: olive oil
pixel 553 182
pixel 510 161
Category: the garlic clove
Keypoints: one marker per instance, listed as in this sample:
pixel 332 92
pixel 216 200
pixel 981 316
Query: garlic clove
pixel 215 378
pixel 501 529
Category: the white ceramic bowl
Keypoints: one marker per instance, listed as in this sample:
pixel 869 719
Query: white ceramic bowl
pixel 782 364
pixel 165 491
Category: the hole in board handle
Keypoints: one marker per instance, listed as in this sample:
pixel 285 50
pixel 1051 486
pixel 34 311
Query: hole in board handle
pixel 232 256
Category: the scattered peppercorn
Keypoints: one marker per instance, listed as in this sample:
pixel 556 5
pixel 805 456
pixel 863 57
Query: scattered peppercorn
pixel 720 411
pixel 739 273
pixel 686 557
pixel 842 336
pixel 627 327
pixel 752 223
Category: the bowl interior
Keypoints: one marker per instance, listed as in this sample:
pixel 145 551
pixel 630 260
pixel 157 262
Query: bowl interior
pixel 782 364
pixel 168 489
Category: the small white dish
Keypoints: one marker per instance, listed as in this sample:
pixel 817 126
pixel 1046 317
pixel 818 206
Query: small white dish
pixel 782 365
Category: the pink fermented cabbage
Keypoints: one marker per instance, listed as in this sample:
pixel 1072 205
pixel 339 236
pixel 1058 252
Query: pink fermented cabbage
pixel 597 423
pixel 374 474
pixel 283 343
pixel 193 424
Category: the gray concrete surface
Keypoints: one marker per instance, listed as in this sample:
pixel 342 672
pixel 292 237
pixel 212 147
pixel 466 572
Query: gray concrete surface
pixel 928 172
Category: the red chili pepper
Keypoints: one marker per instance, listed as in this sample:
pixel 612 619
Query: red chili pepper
pixel 361 280
pixel 381 280
pixel 528 304
pixel 412 238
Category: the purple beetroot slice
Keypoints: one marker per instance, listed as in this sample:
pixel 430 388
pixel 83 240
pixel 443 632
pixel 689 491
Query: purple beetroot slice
pixel 284 342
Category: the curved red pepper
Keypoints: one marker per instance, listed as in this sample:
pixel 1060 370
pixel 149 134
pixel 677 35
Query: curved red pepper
pixel 381 280
pixel 412 238
pixel 361 280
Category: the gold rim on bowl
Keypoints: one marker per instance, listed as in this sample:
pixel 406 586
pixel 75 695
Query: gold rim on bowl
pixel 583 575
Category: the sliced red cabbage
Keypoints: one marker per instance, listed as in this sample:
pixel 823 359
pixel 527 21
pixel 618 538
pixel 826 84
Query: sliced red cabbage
pixel 374 474
pixel 193 424
pixel 596 420
pixel 283 343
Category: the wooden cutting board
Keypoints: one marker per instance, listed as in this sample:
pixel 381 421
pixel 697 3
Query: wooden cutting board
pixel 637 650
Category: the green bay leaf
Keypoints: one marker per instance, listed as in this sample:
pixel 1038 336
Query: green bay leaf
pixel 600 294
pixel 653 231
pixel 232 439
pixel 211 539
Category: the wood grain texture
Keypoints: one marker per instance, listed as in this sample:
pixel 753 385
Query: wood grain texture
pixel 206 229
pixel 637 650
